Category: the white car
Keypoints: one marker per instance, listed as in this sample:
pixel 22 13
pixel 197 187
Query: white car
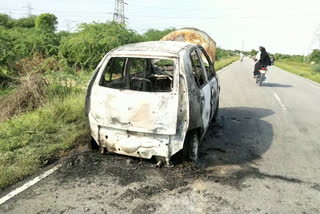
pixel 152 99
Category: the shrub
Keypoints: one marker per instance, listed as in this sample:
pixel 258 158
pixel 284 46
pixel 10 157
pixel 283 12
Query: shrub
pixel 28 96
pixel 315 56
pixel 222 53
pixel 316 68
pixel 46 22
pixel 37 63
pixel 87 47
pixel 28 22
pixel 5 21
pixel 156 35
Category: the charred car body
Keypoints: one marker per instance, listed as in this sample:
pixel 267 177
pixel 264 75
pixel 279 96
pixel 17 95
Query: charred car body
pixel 153 99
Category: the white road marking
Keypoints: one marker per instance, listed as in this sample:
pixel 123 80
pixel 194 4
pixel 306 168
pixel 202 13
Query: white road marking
pixel 279 101
pixel 29 184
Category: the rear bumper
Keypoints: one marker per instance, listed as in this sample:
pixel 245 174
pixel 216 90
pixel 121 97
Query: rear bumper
pixel 130 143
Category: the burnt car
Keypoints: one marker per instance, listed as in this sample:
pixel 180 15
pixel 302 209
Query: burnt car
pixel 153 99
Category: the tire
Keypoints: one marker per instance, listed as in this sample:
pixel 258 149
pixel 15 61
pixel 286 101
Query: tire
pixel 261 79
pixel 191 147
pixel 93 145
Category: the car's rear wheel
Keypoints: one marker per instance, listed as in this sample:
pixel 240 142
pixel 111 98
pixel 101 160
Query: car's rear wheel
pixel 191 147
pixel 92 144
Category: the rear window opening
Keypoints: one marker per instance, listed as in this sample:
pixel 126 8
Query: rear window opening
pixel 139 74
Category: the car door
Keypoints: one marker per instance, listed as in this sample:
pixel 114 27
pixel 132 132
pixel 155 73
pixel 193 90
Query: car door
pixel 212 79
pixel 201 81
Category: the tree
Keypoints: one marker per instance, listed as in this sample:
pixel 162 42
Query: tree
pixel 87 47
pixel 5 21
pixel 46 22
pixel 156 35
pixel 253 52
pixel 28 22
pixel 315 56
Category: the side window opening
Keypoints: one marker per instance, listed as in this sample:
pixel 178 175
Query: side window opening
pixel 197 69
pixel 208 64
pixel 139 74
pixel 113 73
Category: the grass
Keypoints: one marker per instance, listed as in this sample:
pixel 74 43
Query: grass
pixel 34 139
pixel 299 68
pixel 221 63
pixel 5 91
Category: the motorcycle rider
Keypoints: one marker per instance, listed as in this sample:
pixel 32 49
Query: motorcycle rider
pixel 262 59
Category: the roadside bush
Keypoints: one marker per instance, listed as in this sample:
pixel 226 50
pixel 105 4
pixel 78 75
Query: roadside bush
pixel 87 47
pixel 28 22
pixel 156 35
pixel 5 21
pixel 5 79
pixel 316 68
pixel 18 43
pixel 315 56
pixel 296 58
pixel 222 53
pixel 37 63
pixel 28 96
pixel 46 22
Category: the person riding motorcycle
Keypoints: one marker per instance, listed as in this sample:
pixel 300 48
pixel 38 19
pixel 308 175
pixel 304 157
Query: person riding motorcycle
pixel 262 59
pixel 241 57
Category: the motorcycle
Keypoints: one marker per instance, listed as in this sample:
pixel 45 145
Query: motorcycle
pixel 261 75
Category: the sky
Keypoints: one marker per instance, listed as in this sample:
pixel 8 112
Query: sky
pixel 282 26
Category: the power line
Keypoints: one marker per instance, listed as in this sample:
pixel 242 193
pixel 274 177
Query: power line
pixel 317 35
pixel 118 15
pixel 29 9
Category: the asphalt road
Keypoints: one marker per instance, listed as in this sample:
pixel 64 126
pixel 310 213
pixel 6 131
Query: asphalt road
pixel 263 156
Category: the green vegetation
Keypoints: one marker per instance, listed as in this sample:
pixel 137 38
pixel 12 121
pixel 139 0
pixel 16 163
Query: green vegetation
pixel 37 138
pixel 5 91
pixel 299 68
pixel 305 66
pixel 222 53
pixel 86 48
pixel 46 22
pixel 253 52
pixel 155 35
pixel 315 56
pixel 223 62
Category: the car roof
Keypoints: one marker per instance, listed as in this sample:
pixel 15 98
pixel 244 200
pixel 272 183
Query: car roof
pixel 152 48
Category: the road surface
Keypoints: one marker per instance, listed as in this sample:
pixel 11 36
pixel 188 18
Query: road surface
pixel 263 156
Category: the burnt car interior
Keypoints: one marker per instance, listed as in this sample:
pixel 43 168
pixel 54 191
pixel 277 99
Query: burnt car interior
pixel 197 69
pixel 139 74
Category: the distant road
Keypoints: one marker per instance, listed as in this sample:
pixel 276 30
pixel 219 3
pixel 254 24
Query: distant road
pixel 263 156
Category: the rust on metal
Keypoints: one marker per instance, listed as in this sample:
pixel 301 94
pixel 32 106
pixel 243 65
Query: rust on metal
pixel 195 36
